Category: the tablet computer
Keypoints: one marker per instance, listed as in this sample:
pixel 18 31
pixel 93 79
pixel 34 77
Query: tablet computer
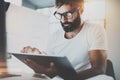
pixel 62 63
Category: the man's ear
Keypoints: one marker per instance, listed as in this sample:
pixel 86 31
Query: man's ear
pixel 79 10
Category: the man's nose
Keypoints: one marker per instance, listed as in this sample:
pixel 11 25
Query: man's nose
pixel 64 19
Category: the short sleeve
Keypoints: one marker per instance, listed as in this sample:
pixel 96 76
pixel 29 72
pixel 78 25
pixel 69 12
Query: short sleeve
pixel 97 38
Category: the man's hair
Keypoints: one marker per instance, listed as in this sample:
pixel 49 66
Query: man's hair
pixel 73 3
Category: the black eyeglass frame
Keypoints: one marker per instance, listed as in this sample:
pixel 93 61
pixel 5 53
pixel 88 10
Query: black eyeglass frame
pixel 65 14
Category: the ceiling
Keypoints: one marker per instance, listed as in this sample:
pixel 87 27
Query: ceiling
pixel 35 4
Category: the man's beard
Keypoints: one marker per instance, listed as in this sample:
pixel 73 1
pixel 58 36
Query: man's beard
pixel 72 25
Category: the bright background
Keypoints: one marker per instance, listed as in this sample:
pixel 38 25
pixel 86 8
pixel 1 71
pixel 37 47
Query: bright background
pixel 104 12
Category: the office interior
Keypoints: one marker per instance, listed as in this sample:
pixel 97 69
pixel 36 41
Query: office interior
pixel 23 28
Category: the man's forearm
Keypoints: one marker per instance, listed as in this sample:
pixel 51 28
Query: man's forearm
pixel 98 64
pixel 89 73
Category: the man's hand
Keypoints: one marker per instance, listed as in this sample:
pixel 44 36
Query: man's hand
pixel 29 49
pixel 50 70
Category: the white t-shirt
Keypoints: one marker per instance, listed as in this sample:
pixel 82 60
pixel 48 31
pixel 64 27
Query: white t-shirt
pixel 91 37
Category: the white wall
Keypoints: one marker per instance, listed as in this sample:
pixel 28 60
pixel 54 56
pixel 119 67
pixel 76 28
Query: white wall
pixel 25 27
pixel 113 31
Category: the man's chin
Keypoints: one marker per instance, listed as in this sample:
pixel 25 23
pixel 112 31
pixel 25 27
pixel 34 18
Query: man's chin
pixel 66 27
pixel 67 30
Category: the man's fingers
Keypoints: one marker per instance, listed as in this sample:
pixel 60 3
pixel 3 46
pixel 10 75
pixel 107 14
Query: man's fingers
pixel 35 50
pixel 36 67
pixel 31 64
pixel 27 49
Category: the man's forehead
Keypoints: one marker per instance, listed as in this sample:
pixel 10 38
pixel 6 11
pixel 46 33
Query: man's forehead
pixel 64 8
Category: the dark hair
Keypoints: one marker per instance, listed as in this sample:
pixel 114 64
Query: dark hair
pixel 74 3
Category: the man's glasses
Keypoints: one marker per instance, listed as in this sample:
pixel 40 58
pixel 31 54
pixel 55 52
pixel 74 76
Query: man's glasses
pixel 67 15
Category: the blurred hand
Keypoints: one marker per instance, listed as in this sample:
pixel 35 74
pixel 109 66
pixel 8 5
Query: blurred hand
pixel 50 70
pixel 29 49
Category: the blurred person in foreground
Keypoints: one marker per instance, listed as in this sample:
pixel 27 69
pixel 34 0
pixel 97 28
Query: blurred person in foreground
pixel 83 43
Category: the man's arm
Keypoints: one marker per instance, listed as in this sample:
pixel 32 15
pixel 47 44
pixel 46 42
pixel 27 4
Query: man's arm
pixel 50 70
pixel 98 64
